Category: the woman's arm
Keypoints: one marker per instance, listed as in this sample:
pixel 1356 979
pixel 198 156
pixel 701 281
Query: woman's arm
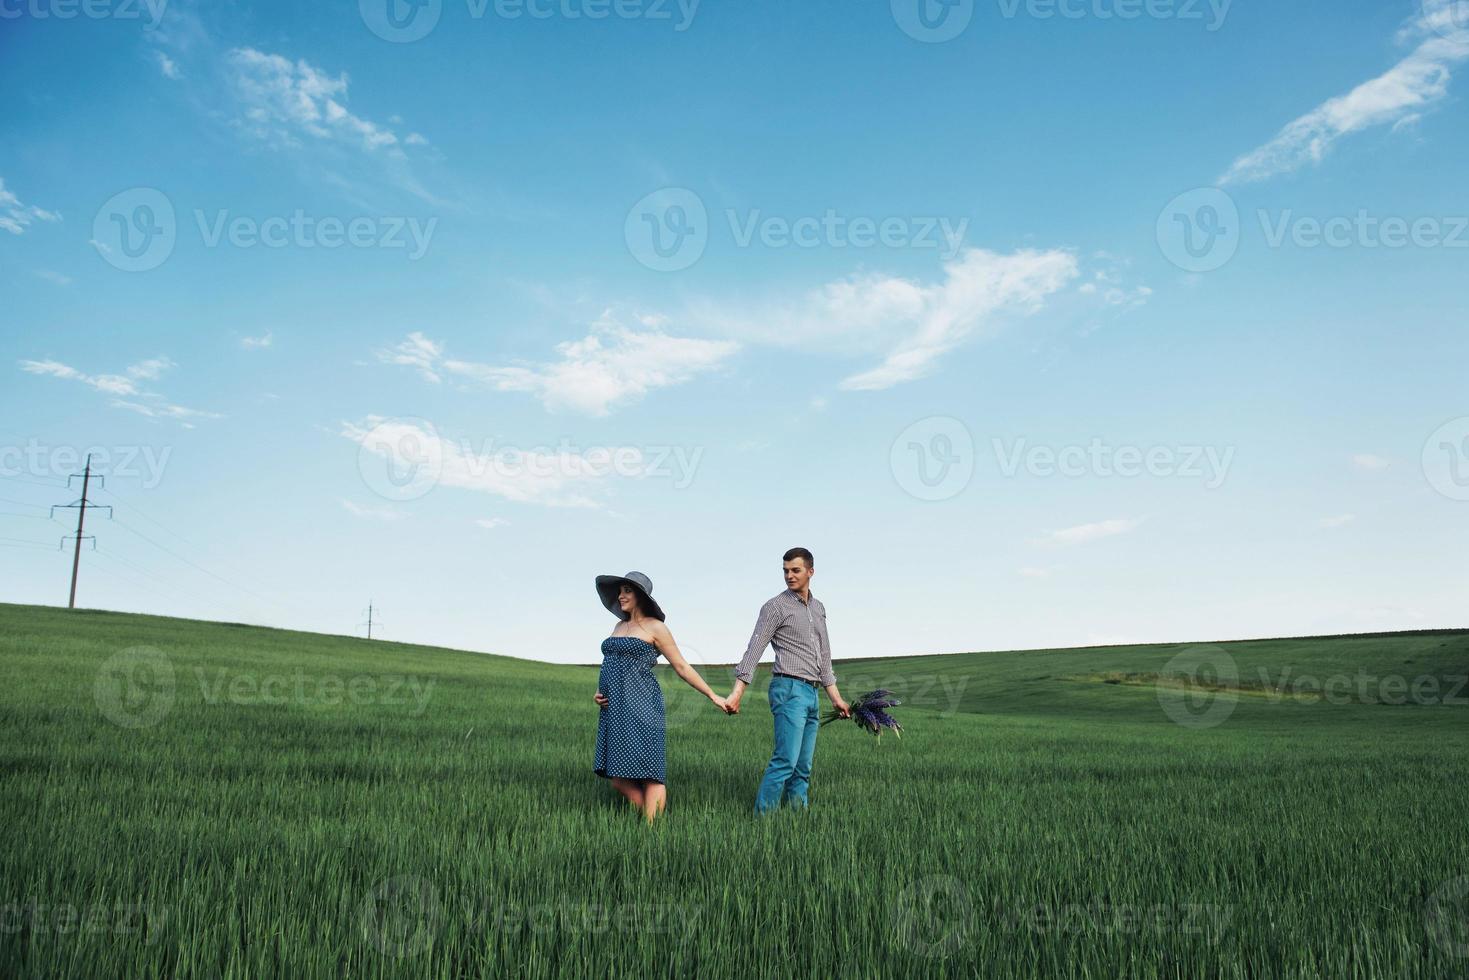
pixel 663 640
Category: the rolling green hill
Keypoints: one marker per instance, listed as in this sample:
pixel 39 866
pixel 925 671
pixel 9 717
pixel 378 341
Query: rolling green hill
pixel 202 799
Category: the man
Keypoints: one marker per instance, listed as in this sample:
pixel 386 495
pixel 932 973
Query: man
pixel 793 622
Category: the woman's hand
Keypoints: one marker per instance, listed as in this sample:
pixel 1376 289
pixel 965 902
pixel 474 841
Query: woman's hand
pixel 723 704
pixel 601 700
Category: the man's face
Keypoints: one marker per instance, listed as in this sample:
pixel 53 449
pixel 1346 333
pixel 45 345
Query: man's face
pixel 797 574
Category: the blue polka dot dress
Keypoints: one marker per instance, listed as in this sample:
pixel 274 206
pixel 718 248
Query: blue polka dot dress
pixel 630 729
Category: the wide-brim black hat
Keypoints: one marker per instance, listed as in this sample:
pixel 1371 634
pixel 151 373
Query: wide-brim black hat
pixel 608 586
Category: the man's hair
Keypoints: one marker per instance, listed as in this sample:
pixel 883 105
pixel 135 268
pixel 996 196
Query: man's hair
pixel 800 553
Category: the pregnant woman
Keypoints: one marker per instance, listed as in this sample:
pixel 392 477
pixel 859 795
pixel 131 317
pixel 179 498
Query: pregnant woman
pixel 630 727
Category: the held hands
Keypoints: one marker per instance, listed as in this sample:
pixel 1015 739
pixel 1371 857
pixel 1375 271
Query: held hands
pixel 734 702
pixel 723 704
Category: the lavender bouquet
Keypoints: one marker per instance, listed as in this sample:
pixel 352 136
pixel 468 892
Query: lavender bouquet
pixel 870 713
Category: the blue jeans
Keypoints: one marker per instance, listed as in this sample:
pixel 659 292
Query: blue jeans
pixel 794 706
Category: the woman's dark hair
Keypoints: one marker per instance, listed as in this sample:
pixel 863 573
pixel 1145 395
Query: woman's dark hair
pixel 637 595
pixel 800 553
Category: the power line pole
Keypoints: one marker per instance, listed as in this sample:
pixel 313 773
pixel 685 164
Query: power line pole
pixel 370 620
pixel 81 508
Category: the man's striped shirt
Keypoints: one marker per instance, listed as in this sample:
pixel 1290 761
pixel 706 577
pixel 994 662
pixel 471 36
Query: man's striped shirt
pixel 797 631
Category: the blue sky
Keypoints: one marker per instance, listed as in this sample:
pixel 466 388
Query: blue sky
pixel 1049 323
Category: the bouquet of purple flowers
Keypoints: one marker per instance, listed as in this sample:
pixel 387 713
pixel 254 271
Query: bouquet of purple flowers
pixel 871 714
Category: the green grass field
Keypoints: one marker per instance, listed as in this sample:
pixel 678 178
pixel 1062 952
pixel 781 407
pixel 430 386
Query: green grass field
pixel 194 799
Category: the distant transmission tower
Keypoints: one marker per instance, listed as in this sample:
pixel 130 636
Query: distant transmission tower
pixel 370 620
pixel 81 509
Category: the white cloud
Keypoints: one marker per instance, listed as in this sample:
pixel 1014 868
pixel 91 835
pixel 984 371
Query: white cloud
pixel 257 343
pixel 151 369
pixel 126 392
pixel 979 285
pixel 1367 461
pixel 167 65
pixel 611 366
pixel 913 321
pixel 1083 533
pixel 373 513
pixel 286 100
pixel 417 352
pixel 545 476
pixel 490 523
pixel 1398 98
pixel 112 384
pixel 1340 520
pixel 1034 572
pixel 16 216
pixel 53 277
